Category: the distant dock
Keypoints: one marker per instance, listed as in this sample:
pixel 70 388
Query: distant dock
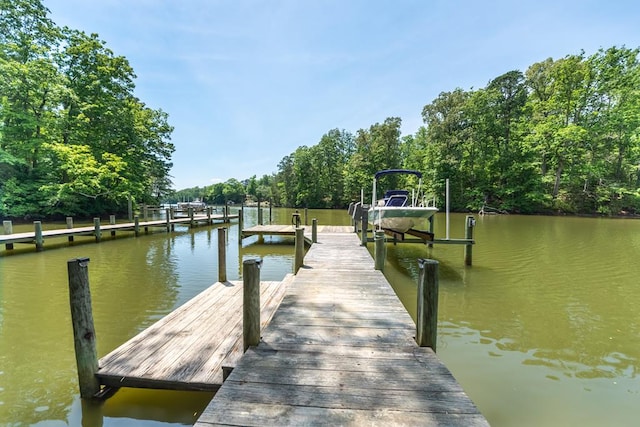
pixel 38 236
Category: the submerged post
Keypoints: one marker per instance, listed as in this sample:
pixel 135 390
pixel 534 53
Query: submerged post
pixel 427 314
pixel 314 230
pixel 251 303
pixel 39 239
pixel 222 254
pixel 299 249
pixel 96 229
pixel 468 235
pixel 379 250
pixel 8 229
pixel 84 336
pixel 365 225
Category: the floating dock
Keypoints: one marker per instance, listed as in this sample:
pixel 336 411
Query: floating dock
pixel 340 350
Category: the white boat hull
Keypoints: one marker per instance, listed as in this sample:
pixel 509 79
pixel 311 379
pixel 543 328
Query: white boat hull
pixel 401 219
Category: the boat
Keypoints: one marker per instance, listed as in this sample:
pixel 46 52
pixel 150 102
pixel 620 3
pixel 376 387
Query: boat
pixel 196 205
pixel 400 210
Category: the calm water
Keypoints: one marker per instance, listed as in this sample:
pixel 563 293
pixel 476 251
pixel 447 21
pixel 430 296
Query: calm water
pixel 544 329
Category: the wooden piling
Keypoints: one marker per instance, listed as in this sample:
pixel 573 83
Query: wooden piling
pixel 39 239
pixel 167 213
pixel 96 229
pixel 299 249
pixel 8 229
pixel 112 221
pixel 84 337
pixel 314 230
pixel 259 213
pixel 136 225
pixel 225 213
pixel 209 222
pixel 251 303
pixel 470 222
pixel 70 226
pixel 427 314
pixel 306 216
pixel 222 254
pixel 379 250
pixel 364 225
pixel 240 225
pixel 191 214
pixel 431 228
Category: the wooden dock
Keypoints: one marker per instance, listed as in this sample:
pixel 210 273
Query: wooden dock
pixel 340 350
pixel 96 231
pixel 187 349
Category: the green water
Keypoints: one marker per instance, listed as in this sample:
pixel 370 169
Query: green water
pixel 544 329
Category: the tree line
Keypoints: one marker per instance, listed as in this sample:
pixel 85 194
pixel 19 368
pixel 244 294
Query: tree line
pixel 562 137
pixel 74 140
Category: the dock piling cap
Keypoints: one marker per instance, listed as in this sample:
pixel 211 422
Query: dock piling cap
pixel 258 262
pixel 82 262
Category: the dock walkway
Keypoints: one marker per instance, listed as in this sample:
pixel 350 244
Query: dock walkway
pixel 340 350
pixel 33 237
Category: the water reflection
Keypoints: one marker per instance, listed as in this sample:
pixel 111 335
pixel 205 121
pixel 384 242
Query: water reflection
pixel 552 291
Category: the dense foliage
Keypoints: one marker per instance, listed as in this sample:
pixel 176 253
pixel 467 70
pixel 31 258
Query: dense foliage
pixel 562 137
pixel 74 140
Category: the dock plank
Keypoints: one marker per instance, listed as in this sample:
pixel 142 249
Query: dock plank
pixel 340 350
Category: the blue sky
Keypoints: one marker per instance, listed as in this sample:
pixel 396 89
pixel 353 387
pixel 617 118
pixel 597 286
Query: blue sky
pixel 246 82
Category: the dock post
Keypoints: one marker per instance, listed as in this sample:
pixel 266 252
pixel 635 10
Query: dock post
pixel 112 221
pixel 136 225
pixel 225 213
pixel 8 229
pixel 96 229
pixel 251 303
pixel 379 250
pixel 70 226
pixel 168 218
pixel 314 230
pixel 259 213
pixel 240 221
pixel 306 216
pixel 209 221
pixel 365 226
pixel 470 222
pixel 84 336
pixel 299 249
pixel 431 228
pixel 222 254
pixel 39 239
pixel 270 211
pixel 427 314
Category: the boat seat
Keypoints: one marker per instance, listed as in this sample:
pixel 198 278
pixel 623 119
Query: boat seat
pixel 397 200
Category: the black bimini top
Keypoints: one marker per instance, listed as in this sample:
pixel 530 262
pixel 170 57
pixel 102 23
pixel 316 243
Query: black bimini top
pixel 402 171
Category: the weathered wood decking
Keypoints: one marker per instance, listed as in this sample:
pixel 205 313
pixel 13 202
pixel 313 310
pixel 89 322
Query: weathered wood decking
pixel 340 350
pixel 187 349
